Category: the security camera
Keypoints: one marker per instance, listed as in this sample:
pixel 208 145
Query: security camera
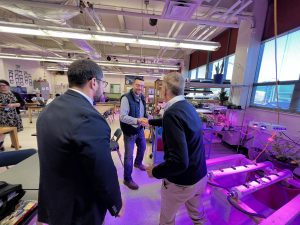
pixel 152 22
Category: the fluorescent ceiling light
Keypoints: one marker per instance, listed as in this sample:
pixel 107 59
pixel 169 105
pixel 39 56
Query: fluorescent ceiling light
pixel 72 33
pixel 134 74
pixel 110 38
pixel 53 68
pixel 101 63
pixel 20 30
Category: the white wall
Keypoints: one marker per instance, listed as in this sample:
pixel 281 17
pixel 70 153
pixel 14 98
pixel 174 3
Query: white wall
pixel 2 71
pixel 31 67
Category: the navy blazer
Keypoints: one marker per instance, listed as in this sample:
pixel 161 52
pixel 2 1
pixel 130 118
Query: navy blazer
pixel 184 152
pixel 78 179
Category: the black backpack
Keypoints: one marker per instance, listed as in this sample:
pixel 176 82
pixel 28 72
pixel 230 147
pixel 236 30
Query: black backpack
pixel 10 195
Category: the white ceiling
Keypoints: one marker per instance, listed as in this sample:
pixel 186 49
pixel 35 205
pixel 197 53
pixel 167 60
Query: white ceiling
pixel 180 19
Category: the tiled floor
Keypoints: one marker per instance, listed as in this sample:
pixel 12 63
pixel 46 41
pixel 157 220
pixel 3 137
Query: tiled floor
pixel 142 206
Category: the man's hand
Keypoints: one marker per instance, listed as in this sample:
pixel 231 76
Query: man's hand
pixel 149 170
pixel 143 122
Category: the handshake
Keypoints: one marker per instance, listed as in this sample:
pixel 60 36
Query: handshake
pixel 143 122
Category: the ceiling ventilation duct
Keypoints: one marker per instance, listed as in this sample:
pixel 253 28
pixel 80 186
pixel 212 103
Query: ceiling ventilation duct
pixel 47 12
pixel 180 9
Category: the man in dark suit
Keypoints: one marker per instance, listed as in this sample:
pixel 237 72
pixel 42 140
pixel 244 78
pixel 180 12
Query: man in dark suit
pixel 184 169
pixel 78 179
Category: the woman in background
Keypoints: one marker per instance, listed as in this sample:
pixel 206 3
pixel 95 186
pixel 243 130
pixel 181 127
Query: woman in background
pixel 10 103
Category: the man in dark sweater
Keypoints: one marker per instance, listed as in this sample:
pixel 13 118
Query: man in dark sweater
pixel 184 169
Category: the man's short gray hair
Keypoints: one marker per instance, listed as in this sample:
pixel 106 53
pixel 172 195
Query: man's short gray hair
pixel 175 82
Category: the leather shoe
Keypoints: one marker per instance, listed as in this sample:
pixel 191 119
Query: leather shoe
pixel 141 167
pixel 131 184
pixel 12 146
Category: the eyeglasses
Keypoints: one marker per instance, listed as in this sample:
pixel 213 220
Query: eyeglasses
pixel 105 83
pixel 139 85
pixel 3 85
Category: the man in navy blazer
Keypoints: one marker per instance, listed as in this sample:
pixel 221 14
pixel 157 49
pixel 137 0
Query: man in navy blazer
pixel 78 179
pixel 184 168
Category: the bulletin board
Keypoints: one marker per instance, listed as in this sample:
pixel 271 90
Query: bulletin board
pixel 19 77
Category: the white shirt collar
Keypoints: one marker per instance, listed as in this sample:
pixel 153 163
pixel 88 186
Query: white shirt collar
pixel 173 101
pixel 84 95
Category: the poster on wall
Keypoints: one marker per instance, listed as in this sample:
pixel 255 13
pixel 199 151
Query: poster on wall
pixel 19 77
pixel 115 88
pixel 11 77
pixel 26 78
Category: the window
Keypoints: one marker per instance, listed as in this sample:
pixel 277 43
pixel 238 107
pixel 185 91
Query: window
pixel 288 54
pixel 201 72
pixel 230 66
pixel 193 74
pixel 265 96
pixel 288 69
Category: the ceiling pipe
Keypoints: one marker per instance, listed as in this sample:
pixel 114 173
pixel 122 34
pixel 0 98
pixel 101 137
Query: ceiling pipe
pixel 211 30
pixel 240 9
pixel 126 13
pixel 171 29
pixel 163 51
pixel 195 21
pixel 151 58
pixel 178 29
pixel 210 33
pixel 89 10
pixel 211 10
pixel 231 9
pixel 207 15
pixel 206 30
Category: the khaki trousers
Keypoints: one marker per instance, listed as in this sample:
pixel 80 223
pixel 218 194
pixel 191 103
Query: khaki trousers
pixel 173 196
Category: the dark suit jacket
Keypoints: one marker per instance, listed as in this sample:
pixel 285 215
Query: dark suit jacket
pixel 183 145
pixel 78 179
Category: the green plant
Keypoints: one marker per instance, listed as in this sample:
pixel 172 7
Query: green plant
pixel 219 68
pixel 284 150
pixel 223 97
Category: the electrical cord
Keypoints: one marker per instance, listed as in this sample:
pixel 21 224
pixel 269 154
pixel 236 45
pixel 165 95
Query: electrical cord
pixel 229 198
pixel 276 64
pixel 291 139
pixel 265 148
pixel 217 185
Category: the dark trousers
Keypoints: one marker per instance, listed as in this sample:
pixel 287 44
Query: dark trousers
pixel 129 141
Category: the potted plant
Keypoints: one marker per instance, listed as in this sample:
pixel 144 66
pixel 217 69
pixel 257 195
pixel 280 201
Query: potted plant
pixel 218 77
pixel 223 97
